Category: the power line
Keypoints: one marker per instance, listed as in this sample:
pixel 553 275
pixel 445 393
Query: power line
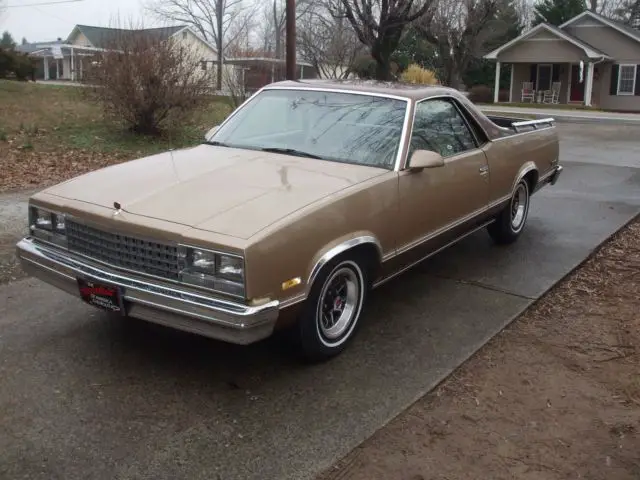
pixel 43 3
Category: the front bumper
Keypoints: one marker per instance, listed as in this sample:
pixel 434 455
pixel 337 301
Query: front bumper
pixel 153 301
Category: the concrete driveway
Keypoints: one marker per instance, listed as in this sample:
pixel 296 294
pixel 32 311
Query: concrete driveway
pixel 82 396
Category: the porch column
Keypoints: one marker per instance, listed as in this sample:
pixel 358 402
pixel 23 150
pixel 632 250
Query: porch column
pixel 46 67
pixel 73 71
pixel 58 69
pixel 513 66
pixel 588 87
pixel 496 89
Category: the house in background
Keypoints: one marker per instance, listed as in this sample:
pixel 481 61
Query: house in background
pixel 68 60
pixel 589 60
pixel 255 72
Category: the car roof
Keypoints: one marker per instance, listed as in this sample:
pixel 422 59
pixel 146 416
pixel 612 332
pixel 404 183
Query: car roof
pixel 398 89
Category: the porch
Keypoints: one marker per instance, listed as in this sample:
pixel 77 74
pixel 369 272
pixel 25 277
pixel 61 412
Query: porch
pixel 556 83
pixel 63 61
pixel 548 59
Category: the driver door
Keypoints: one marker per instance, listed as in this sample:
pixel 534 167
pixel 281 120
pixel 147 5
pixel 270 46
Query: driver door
pixel 438 204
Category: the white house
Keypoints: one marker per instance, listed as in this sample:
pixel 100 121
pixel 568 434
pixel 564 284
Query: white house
pixel 66 60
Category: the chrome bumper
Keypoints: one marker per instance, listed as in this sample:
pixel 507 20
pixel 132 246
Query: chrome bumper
pixel 155 302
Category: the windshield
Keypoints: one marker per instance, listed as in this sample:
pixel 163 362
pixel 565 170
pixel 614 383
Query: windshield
pixel 342 127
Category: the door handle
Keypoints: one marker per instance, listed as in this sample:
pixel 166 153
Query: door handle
pixel 484 170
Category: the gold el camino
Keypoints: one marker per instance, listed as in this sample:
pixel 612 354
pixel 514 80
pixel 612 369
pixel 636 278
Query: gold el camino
pixel 306 197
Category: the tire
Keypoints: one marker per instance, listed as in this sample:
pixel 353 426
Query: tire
pixel 511 221
pixel 333 309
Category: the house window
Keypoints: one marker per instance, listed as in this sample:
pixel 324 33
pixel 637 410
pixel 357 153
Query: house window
pixel 627 80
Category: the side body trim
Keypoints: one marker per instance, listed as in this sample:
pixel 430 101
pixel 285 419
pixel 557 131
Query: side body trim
pixel 450 226
pixel 430 254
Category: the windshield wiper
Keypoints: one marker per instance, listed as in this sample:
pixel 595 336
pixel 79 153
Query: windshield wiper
pixel 216 143
pixel 291 151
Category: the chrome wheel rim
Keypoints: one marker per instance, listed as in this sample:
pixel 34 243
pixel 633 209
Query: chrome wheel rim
pixel 519 207
pixel 339 303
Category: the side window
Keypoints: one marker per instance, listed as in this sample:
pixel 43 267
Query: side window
pixel 439 127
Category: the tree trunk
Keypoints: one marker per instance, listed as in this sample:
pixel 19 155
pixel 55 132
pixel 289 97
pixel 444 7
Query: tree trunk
pixel 455 78
pixel 383 69
pixel 219 42
pixel 278 51
pixel 382 51
pixel 277 31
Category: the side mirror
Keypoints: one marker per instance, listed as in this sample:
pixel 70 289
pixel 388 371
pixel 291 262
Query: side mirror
pixel 422 159
pixel 210 133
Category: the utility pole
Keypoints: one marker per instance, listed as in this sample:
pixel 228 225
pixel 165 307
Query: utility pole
pixel 291 39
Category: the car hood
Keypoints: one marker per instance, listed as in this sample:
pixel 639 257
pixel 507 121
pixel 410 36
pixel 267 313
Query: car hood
pixel 229 191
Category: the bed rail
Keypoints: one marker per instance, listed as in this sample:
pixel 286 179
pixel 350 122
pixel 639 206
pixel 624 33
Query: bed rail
pixel 534 123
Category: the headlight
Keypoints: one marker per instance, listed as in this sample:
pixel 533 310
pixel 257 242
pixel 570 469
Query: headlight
pixel 213 270
pixel 47 225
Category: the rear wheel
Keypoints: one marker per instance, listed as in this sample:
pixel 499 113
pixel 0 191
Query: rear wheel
pixel 332 312
pixel 511 221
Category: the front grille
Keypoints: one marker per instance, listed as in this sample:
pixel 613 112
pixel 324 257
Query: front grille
pixel 122 251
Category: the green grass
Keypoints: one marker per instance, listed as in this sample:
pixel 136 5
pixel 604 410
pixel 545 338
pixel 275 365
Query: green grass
pixel 47 117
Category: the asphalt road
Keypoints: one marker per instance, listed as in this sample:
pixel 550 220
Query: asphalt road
pixel 83 396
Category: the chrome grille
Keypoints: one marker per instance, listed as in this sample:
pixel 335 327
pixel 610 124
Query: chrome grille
pixel 122 251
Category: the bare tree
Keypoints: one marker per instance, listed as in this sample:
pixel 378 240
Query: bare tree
pixel 328 42
pixel 608 8
pixel 146 81
pixel 272 33
pixel 460 29
pixel 215 20
pixel 379 24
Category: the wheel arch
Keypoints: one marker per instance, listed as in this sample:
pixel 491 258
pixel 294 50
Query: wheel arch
pixel 528 172
pixel 361 242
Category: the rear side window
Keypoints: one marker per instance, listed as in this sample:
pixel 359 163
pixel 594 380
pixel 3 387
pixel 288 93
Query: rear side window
pixel 440 127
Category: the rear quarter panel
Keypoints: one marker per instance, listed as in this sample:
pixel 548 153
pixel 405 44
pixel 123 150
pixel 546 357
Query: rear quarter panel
pixel 513 156
pixel 290 248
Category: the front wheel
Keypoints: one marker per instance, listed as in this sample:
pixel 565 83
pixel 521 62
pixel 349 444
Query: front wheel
pixel 511 220
pixel 332 312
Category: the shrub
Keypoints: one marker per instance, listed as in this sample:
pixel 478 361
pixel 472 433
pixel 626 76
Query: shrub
pixel 364 67
pixel 147 82
pixel 481 94
pixel 233 85
pixel 15 65
pixel 24 67
pixel 418 75
pixel 6 62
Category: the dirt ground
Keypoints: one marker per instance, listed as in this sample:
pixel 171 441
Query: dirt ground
pixel 555 396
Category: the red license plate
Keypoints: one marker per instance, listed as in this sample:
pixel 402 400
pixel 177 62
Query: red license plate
pixel 106 297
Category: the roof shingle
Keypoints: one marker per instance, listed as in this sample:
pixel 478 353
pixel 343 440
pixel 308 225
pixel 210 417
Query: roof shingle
pixel 101 37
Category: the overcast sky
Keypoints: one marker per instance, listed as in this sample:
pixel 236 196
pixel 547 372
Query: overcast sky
pixel 48 22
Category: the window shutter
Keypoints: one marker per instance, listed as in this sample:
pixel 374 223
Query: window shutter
pixel 615 70
pixel 637 92
pixel 532 74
